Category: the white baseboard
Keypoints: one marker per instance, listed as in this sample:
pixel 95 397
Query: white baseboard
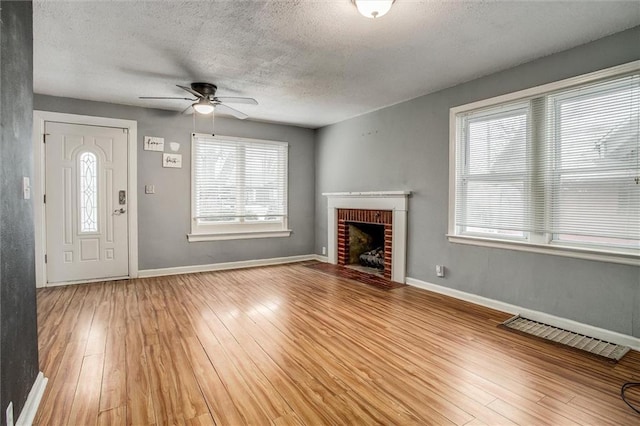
pixel 321 258
pixel 567 324
pixel 30 408
pixel 223 266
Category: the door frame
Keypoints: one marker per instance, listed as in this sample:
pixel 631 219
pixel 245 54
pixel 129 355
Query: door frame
pixel 38 185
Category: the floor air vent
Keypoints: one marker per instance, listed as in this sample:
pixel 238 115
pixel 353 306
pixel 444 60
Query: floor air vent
pixel 561 336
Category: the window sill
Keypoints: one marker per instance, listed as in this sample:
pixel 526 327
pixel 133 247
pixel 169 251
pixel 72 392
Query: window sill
pixel 566 251
pixel 193 238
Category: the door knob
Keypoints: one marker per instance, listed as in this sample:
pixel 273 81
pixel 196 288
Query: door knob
pixel 119 211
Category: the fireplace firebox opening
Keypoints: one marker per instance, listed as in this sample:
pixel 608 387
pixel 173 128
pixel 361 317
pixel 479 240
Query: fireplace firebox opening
pixel 364 240
pixel 366 245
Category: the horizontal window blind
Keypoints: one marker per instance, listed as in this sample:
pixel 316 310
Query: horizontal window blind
pixel 493 174
pixel 239 181
pixel 592 163
pixel 560 167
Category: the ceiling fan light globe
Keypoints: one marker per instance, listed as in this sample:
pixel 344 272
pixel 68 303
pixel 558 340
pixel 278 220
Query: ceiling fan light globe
pixel 373 8
pixel 203 108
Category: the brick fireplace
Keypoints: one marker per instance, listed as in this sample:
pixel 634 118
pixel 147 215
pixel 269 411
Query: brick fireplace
pixel 379 217
pixel 388 209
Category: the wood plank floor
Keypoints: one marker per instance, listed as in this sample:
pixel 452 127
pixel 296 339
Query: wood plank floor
pixel 289 345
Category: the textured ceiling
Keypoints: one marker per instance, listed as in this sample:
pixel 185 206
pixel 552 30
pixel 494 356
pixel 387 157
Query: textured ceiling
pixel 308 63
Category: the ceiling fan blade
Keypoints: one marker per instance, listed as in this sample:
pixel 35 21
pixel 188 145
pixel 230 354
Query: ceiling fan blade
pixel 236 100
pixel 228 110
pixel 163 97
pixel 190 90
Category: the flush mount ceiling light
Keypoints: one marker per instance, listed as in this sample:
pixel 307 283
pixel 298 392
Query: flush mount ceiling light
pixel 373 8
pixel 203 106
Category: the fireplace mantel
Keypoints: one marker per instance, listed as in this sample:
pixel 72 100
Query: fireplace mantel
pixel 396 201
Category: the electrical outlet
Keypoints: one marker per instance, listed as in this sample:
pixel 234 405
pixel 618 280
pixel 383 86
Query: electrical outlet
pixel 440 270
pixel 149 189
pixel 26 188
pixel 10 414
pixel 324 250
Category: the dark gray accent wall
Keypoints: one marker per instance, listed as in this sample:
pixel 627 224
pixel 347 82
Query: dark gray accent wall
pixel 406 147
pixel 18 328
pixel 164 217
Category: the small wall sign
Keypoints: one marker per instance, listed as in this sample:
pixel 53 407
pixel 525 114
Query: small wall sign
pixel 152 143
pixel 172 160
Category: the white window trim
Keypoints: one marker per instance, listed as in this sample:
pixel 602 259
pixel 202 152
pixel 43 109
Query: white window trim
pixel 631 258
pixel 234 231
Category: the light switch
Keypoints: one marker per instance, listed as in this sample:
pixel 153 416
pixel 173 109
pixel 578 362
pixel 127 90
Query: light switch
pixel 149 189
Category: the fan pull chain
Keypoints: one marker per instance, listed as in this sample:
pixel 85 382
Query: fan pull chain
pixel 213 122
pixel 193 115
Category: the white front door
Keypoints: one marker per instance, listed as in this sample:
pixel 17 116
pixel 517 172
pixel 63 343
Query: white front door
pixel 86 185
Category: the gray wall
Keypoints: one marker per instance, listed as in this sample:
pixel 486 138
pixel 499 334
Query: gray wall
pixel 406 146
pixel 18 329
pixel 164 217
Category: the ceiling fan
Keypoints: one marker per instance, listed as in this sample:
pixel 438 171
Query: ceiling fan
pixel 206 100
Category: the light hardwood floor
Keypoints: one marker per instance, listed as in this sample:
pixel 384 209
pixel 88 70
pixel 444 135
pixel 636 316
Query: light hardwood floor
pixel 290 345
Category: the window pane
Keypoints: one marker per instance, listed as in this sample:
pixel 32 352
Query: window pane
pixel 598 208
pixel 599 130
pixel 491 188
pixel 495 208
pixel 264 191
pixel 596 197
pixel 88 192
pixel 215 182
pixel 238 182
pixel 498 144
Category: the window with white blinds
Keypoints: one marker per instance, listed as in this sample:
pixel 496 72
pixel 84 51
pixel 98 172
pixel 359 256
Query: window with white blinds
pixel 239 187
pixel 558 168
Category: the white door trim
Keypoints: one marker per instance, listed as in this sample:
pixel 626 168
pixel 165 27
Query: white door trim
pixel 39 119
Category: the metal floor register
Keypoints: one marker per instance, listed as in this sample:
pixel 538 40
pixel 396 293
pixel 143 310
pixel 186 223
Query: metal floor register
pixel 592 345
